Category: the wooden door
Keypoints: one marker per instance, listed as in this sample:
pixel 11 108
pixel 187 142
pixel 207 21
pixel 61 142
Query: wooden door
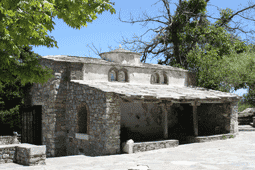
pixel 31 125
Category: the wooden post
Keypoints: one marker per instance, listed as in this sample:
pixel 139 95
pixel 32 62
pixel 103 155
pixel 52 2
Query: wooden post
pixel 195 121
pixel 165 119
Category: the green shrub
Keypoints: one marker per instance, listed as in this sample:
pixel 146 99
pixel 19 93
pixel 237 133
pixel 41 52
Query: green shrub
pixel 12 117
pixel 242 106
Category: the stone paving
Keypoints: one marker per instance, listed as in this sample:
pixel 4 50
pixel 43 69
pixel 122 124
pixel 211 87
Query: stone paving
pixel 234 154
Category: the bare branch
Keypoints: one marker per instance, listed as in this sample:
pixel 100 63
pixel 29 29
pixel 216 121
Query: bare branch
pixel 96 52
pixel 165 40
pixel 166 4
pixel 246 17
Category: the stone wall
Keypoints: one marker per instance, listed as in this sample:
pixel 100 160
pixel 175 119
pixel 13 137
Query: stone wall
pixel 56 113
pixel 140 121
pixel 103 121
pixel 52 97
pixel 25 154
pixel 141 75
pixel 211 116
pixel 6 140
pixel 7 154
pixel 224 116
pixel 147 146
pixel 143 121
pixel 76 71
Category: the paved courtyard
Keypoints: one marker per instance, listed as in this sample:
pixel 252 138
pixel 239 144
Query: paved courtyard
pixel 232 154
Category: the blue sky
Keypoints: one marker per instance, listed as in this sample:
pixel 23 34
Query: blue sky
pixel 108 30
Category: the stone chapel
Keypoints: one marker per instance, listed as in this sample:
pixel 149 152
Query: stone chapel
pixel 94 105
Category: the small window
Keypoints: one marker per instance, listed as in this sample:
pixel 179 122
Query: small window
pixel 83 120
pixel 122 76
pixel 154 78
pixel 165 78
pixel 113 75
pixel 118 75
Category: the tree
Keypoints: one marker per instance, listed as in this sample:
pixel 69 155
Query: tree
pixel 12 96
pixel 24 23
pixel 188 40
pixel 231 72
pixel 189 23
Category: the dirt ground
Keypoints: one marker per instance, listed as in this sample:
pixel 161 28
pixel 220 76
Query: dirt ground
pixel 230 154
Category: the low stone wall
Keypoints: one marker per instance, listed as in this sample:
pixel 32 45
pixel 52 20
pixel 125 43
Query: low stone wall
pixel 200 139
pixel 7 140
pixel 25 154
pixel 147 146
pixel 131 147
pixel 7 154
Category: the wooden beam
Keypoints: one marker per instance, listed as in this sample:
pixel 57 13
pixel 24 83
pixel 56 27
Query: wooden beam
pixel 165 117
pixel 195 121
pixel 165 121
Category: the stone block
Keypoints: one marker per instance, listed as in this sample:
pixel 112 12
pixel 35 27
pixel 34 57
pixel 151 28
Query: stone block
pixel 128 146
pixel 34 149
pixel 5 155
pixel 140 167
pixel 2 161
pixel 41 162
pixel 9 161
pixel 11 156
pixel 34 159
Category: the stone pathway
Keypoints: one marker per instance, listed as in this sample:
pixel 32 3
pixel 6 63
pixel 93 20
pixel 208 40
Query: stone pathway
pixel 229 154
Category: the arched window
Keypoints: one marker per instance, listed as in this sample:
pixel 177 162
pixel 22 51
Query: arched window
pixel 165 79
pixel 113 74
pixel 83 119
pixel 154 78
pixel 123 75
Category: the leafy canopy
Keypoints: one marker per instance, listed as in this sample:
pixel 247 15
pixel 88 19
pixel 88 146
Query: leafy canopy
pixel 24 23
pixel 205 48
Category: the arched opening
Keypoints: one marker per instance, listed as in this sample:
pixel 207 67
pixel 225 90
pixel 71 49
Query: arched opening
pixel 165 78
pixel 123 75
pixel 113 74
pixel 154 78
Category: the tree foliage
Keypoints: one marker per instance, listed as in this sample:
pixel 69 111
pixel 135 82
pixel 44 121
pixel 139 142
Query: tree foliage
pixel 189 40
pixel 231 72
pixel 12 96
pixel 24 23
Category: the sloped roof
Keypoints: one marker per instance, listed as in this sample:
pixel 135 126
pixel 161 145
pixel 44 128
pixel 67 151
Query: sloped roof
pixel 249 112
pixel 90 60
pixel 159 91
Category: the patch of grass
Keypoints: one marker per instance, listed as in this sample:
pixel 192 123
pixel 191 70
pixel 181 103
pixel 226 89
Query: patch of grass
pixel 224 137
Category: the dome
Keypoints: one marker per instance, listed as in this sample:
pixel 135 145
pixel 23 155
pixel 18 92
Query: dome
pixel 122 56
